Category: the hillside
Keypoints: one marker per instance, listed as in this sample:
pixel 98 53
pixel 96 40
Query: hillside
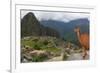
pixel 66 29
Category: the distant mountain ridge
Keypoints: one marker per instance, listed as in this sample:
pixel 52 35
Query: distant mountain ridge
pixel 66 29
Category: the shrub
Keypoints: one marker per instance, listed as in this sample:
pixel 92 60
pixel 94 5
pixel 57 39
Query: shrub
pixel 39 58
pixel 45 42
pixel 37 47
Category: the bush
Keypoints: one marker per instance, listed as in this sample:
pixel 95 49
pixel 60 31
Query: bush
pixel 37 47
pixel 45 42
pixel 39 58
pixel 35 40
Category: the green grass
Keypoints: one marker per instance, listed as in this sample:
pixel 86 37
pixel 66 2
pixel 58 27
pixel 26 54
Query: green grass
pixel 39 58
pixel 41 44
pixel 27 43
pixel 53 50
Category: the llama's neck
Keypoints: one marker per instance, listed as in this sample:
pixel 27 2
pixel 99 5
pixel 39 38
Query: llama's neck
pixel 78 35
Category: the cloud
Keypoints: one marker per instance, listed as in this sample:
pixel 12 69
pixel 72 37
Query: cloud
pixel 61 16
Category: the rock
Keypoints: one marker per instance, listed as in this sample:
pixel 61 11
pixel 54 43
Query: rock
pixel 25 60
pixel 38 52
pixel 77 56
pixel 26 49
pixel 27 56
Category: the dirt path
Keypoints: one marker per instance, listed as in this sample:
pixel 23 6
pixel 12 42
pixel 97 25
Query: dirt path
pixel 59 58
pixel 74 56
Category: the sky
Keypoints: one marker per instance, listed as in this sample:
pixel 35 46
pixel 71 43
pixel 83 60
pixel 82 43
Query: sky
pixel 60 16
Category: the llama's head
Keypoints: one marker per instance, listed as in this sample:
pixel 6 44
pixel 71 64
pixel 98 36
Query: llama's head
pixel 77 29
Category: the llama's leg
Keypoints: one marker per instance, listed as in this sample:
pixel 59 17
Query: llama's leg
pixel 84 53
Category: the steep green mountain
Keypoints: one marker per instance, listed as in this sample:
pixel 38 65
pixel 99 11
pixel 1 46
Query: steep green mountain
pixel 30 26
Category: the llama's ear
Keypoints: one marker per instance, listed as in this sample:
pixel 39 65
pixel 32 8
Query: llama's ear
pixel 75 29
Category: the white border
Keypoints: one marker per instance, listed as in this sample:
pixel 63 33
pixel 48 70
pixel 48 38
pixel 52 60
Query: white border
pixel 15 51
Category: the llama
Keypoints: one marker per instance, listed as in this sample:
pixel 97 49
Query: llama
pixel 83 39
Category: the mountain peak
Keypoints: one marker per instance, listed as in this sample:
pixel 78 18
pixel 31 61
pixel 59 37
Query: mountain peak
pixel 30 26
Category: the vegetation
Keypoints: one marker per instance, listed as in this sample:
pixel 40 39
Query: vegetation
pixel 42 43
pixel 39 58
pixel 47 44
